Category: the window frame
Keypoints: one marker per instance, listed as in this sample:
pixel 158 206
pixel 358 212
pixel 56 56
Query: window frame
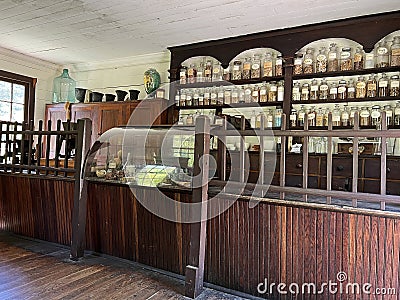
pixel 30 85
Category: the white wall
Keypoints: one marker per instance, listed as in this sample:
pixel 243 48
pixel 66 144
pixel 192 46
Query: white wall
pixel 122 74
pixel 42 70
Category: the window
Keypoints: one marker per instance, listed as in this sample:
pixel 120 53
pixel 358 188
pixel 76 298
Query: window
pixel 17 97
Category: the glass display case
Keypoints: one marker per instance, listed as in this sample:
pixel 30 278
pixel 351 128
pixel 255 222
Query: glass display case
pixel 143 156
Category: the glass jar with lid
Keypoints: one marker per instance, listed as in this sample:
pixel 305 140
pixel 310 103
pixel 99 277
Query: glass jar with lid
pixel 296 93
pixel 207 96
pixel 263 92
pixel 281 91
pixel 376 115
pixel 333 61
pixel 189 97
pixel 214 96
pixel 342 89
pixel 321 61
pixel 389 115
pixel 246 73
pixel 226 73
pixel 256 66
pixel 201 97
pixel 383 86
pixel 323 90
pixel 247 94
pixel 351 90
pixel 305 92
pixel 237 70
pixel 336 115
pixel 365 117
pixel 358 59
pixel 177 98
pixel 208 71
pixel 298 64
pixel 397 114
pixel 278 117
pixel 268 65
pixel 235 95
pixel 308 61
pixel 227 95
pixel 269 119
pixel 300 116
pixel 279 65
pixel 345 117
pixel 217 72
pixel 326 116
pixel 255 94
pixel 220 95
pixel 314 90
pixel 369 60
pixel 346 61
pixel 311 116
pixel 192 73
pixel 395 52
pixel 200 72
pixel 382 55
pixel 371 87
pixel 293 118
pixel 183 75
pixel 273 92
pixel 196 97
pixel 182 98
pixel 353 110
pixel 242 92
pixel 319 118
pixel 333 91
pixel 394 86
pixel 361 87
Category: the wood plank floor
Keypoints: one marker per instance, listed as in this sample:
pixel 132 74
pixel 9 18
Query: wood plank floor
pixel 31 269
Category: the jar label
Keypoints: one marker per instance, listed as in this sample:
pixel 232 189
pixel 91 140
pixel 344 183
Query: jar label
pixel 221 95
pixel 293 117
pixel 182 74
pixel 206 95
pixel 247 92
pixel 234 95
pixel 263 92
pixel 314 88
pixel 382 50
pixel 246 66
pixel 389 113
pixel 112 165
pixel 333 91
pixel 267 64
pixel 304 91
pixel 358 57
pixel 308 61
pixel 301 115
pixel 342 89
pixel 296 90
pixel 236 68
pixel 278 62
pixel 345 54
pixel 196 96
pixel 227 94
pixel 321 57
pixel 360 85
pixel 332 55
pixel 351 89
pixel 298 61
pixel 323 88
pixel 255 94
pixel 375 114
pixel 383 83
pixel 394 84
pixel 311 116
pixel 273 89
pixel 201 100
pixel 216 70
pixel 364 114
pixel 369 56
pixel 213 95
pixel 345 116
pixel 207 72
pixel 190 72
pixel 255 66
pixel 371 86
pixel 335 118
pixel 188 98
pixel 160 94
pixel 396 52
pixel 183 97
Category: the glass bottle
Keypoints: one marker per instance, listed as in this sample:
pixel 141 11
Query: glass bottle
pixel 360 88
pixel 333 91
pixel 64 88
pixel 346 61
pixel 305 92
pixel 256 66
pixel 268 65
pixel 246 73
pixel 269 119
pixel 190 120
pixel 177 98
pixel 298 64
pixel 394 86
pixel 263 92
pixel 293 117
pixel 319 117
pixel 281 91
pixel 189 97
pixel 237 70
pixel 273 92
pixel 311 116
pixel 183 75
pixel 279 65
pixel 220 95
pixel 300 116
pixel 358 59
pixel 323 90
pixel 278 117
pixel 196 97
pixel 235 95
pixel 389 115
pixel 369 60
pixel 259 118
pixel 353 110
pixel 247 94
pixel 201 97
pixel 376 115
pixel 227 96
pixel 351 90
pixel 371 87
pixel 342 90
pixel 326 116
pixel 382 55
pixel 192 73
pixel 345 116
pixel 383 86
pixel 308 62
pixel 242 93
pixel 226 73
pixel 296 94
pixel 253 119
pixel 255 94
pixel 214 96
pixel 395 52
pixel 365 117
pixel 397 114
pixel 208 71
pixel 321 61
pixel 200 72
pixel 182 99
pixel 217 72
pixel 336 114
pixel 333 61
pixel 314 90
pixel 207 96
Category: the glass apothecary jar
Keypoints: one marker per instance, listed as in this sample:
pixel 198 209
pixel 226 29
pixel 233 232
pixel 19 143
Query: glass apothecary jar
pixel 333 60
pixel 256 66
pixel 281 91
pixel 365 117
pixel 321 61
pixel 323 90
pixel 246 73
pixel 183 75
pixel 296 93
pixel 383 86
pixel 395 52
pixel 308 61
pixel 371 87
pixel 217 72
pixel 394 86
pixel 298 64
pixel 361 87
pixel 64 88
pixel 263 92
pixel 389 115
pixel 336 115
pixel 305 92
pixel 358 59
pixel 268 65
pixel 382 55
pixel 353 111
pixel 376 115
pixel 279 65
pixel 208 70
pixel 293 117
pixel 237 70
pixel 397 114
pixel 369 60
pixel 333 91
pixel 192 73
pixel 346 61
pixel 273 92
pixel 314 90
pixel 342 90
pixel 351 90
pixel 345 116
pixel 300 116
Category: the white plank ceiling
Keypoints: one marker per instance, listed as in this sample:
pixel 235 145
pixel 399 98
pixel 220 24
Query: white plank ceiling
pixel 73 31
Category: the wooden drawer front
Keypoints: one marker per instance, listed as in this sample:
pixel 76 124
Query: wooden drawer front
pixel 339 183
pixel 294 164
pixel 297 181
pixel 393 187
pixel 342 167
pixel 393 169
pixel 372 168
pixel 374 187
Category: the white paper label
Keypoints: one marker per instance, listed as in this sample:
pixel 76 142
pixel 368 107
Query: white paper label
pixel 293 117
pixel 314 88
pixel 395 84
pixel 263 92
pixel 323 88
pixel 383 83
pixel 298 61
pixel 342 89
pixel 273 89
pixel 336 118
pixel 236 68
pixel 375 114
pixel 332 55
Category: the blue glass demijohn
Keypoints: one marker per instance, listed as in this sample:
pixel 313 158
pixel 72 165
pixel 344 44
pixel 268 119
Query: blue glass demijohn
pixel 64 88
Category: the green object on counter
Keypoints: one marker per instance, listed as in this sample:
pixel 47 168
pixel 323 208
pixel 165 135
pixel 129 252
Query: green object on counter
pixel 152 80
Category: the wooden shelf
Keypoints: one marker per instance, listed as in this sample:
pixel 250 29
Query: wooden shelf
pixel 351 100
